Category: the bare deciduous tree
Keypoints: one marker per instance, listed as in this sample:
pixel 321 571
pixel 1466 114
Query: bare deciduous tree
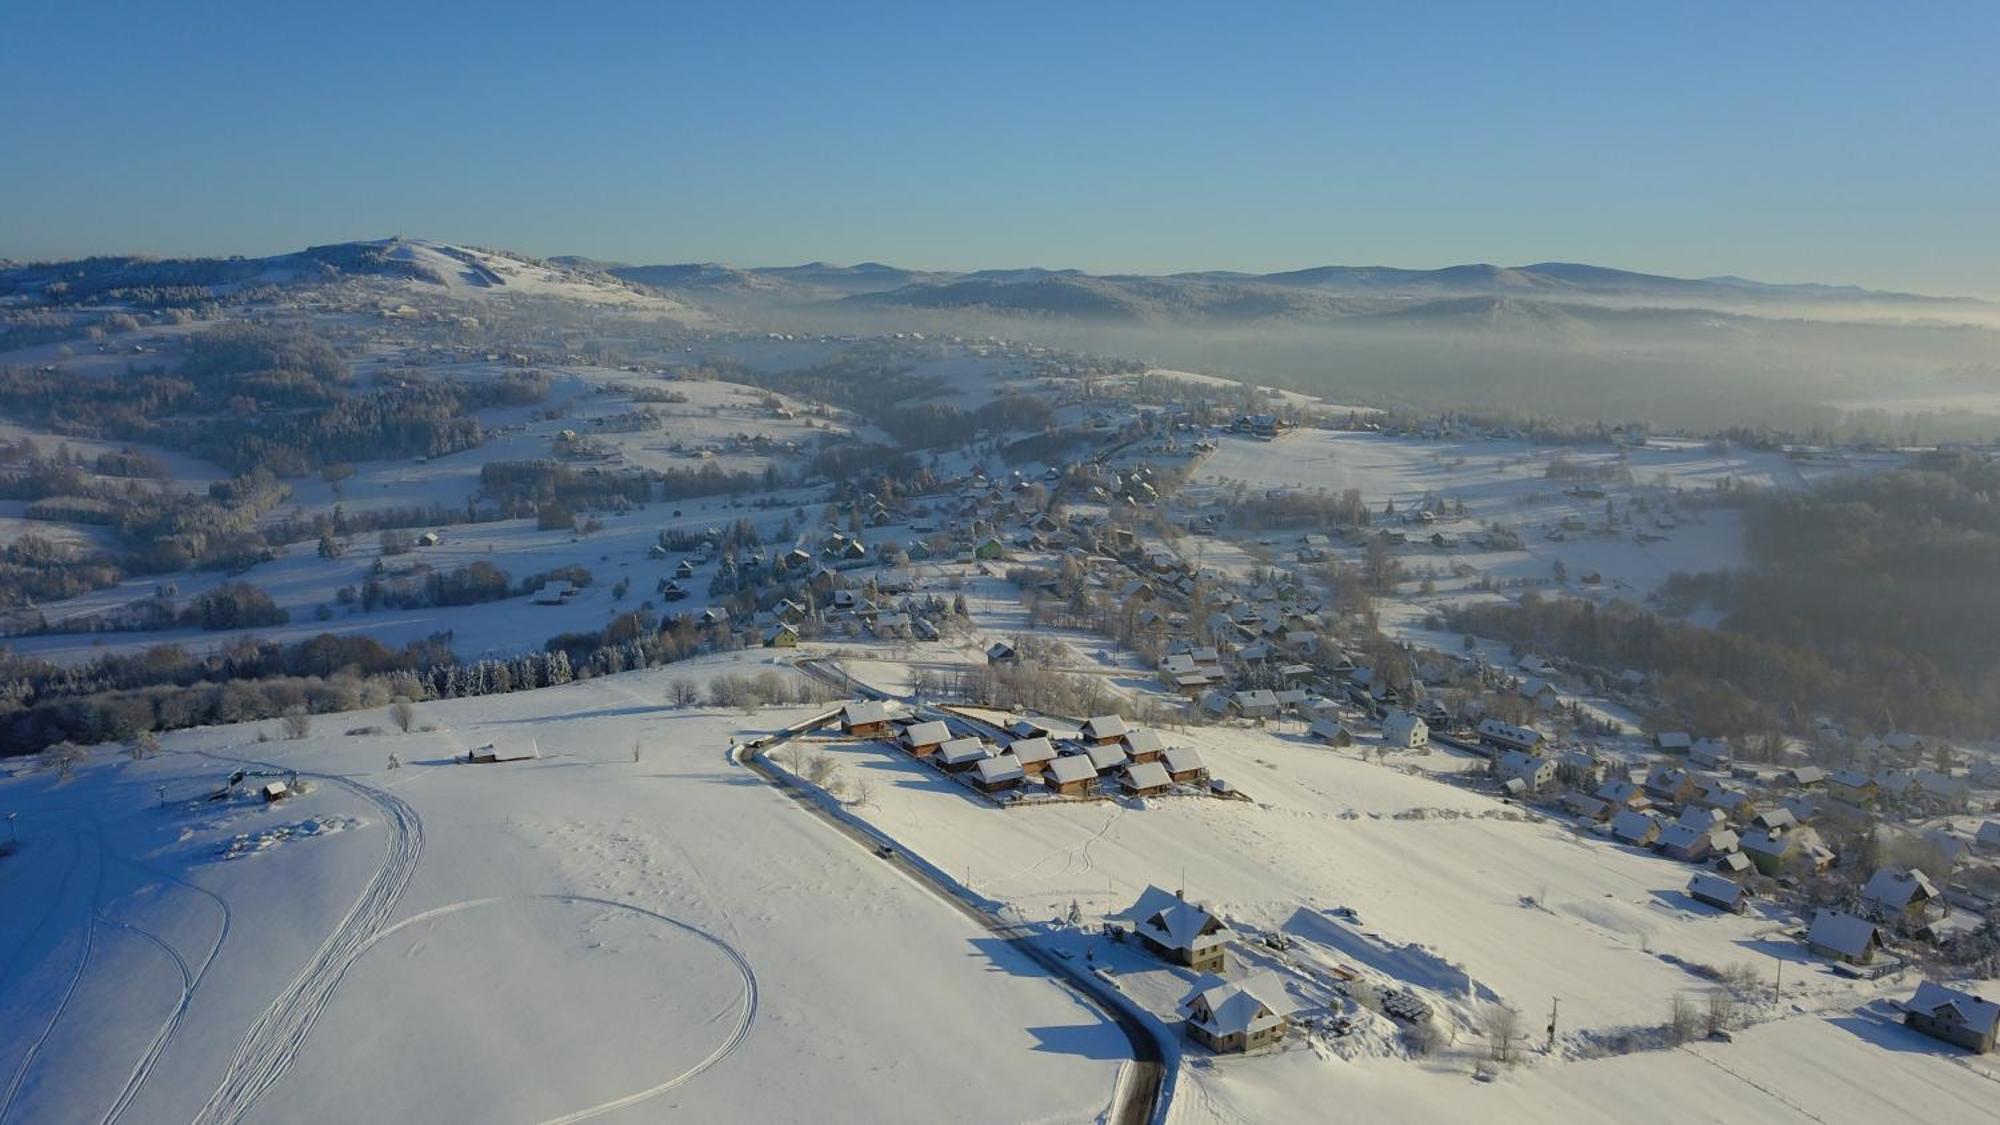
pixel 403 713
pixel 63 758
pixel 1682 1021
pixel 1503 1028
pixel 296 723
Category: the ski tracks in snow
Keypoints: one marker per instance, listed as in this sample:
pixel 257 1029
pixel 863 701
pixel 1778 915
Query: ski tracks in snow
pixel 275 1039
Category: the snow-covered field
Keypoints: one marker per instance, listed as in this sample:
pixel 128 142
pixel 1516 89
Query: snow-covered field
pixel 531 941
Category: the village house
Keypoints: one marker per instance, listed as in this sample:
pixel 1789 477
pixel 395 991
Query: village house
pixel 1696 835
pixel 1900 896
pixel 961 754
pixel 1507 736
pixel 1000 772
pixel 1238 1016
pixel 1711 754
pixel 923 739
pixel 1142 745
pixel 1185 766
pixel 1257 703
pixel 1961 1018
pixel 1534 771
pixel 1000 652
pixel 1843 937
pixel 866 718
pixel 1106 757
pixel 1070 775
pixel 1852 787
pixel 1331 732
pixel 1178 931
pixel 1034 754
pixel 1785 851
pixel 1405 731
pixel 781 635
pixel 1640 829
pixel 1103 729
pixel 1673 742
pixel 505 750
pixel 1624 794
pixel 276 791
pixel 1147 779
pixel 1670 786
pixel 1722 893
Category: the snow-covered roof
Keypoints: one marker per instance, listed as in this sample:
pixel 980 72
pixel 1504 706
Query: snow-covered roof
pixel 958 751
pixel 1031 750
pixel 1105 726
pixel 1898 889
pixel 1144 741
pixel 1004 767
pixel 932 733
pixel 1180 759
pixel 1147 775
pixel 1071 768
pixel 1177 923
pixel 1843 933
pixel 1974 1011
pixel 1106 757
pixel 863 712
pixel 1238 1007
pixel 1709 885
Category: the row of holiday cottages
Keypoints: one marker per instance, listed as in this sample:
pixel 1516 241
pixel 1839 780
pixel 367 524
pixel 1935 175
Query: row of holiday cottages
pixel 1068 762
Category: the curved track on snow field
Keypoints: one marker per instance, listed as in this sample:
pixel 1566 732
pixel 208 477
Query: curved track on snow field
pixel 276 1037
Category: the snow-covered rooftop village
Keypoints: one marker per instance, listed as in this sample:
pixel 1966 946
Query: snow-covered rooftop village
pixel 445 685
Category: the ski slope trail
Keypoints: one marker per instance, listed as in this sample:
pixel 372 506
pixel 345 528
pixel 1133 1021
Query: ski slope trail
pixel 276 1037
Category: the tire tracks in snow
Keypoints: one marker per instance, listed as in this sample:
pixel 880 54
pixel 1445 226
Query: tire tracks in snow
pixel 276 1037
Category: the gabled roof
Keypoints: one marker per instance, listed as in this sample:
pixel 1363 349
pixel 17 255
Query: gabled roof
pixel 1843 933
pixel 961 750
pixel 1071 768
pixel 1898 889
pixel 1238 1007
pixel 1176 923
pixel 863 712
pixel 1971 1010
pixel 1180 759
pixel 932 733
pixel 1005 767
pixel 1707 884
pixel 1032 750
pixel 1144 741
pixel 1105 726
pixel 1108 756
pixel 1147 775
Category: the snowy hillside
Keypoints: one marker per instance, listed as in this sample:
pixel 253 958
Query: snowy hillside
pixel 544 940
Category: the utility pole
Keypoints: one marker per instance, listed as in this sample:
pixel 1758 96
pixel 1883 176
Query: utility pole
pixel 162 791
pixel 13 834
pixel 1555 1003
pixel 1778 990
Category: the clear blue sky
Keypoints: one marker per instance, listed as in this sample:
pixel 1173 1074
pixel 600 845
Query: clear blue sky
pixel 1823 141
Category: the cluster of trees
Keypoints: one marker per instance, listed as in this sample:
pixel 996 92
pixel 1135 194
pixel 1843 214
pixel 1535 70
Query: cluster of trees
pixel 1320 510
pixel 233 605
